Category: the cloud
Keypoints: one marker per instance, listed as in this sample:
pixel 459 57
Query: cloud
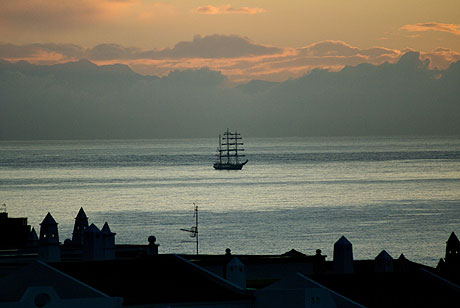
pixel 42 53
pixel 441 58
pixel 227 9
pixel 82 100
pixel 242 60
pixel 207 9
pixel 49 15
pixel 217 46
pixel 207 47
pixel 331 48
pixel 37 16
pixel 236 57
pixel 433 26
pixel 103 52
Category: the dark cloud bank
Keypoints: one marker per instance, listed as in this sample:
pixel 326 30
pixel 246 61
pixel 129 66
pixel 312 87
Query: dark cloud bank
pixel 81 100
pixel 210 47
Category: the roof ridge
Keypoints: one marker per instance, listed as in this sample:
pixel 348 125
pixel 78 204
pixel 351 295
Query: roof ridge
pixel 48 220
pixel 213 276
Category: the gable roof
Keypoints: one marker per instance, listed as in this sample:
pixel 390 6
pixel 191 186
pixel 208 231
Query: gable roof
pixel 154 279
pixel 383 256
pixel 38 274
pixel 93 229
pixel 300 281
pixel 81 214
pixel 453 239
pixel 342 242
pixel 32 235
pixel 292 281
pixel 294 253
pixel 48 220
pixel 106 229
pixel 415 288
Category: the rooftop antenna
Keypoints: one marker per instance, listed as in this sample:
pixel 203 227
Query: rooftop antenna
pixel 194 229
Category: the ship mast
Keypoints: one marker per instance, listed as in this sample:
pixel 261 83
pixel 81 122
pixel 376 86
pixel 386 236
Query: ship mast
pixel 236 147
pixel 229 149
pixel 220 149
pixel 227 141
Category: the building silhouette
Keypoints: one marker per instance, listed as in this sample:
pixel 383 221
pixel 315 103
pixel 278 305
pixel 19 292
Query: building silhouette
pixel 80 226
pixel 91 270
pixel 48 242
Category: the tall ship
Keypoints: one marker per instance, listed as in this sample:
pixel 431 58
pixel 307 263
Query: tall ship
pixel 228 152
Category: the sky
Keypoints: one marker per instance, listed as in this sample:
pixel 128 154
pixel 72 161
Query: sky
pixel 259 39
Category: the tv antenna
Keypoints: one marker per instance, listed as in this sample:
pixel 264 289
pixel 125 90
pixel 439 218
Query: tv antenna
pixel 194 229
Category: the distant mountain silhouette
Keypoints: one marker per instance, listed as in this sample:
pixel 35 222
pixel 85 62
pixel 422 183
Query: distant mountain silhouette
pixel 79 100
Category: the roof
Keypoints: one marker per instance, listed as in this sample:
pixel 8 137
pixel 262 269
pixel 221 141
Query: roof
pixel 342 242
pixel 453 239
pixel 33 235
pixel 299 281
pixel 38 274
pixel 92 229
pixel 154 279
pixel 81 214
pixel 106 229
pixel 261 270
pixel 294 253
pixel 49 220
pixel 248 259
pixel 415 288
pixel 384 255
pixel 293 281
pixel 235 262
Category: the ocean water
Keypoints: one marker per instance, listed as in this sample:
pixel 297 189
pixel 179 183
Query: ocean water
pixel 401 194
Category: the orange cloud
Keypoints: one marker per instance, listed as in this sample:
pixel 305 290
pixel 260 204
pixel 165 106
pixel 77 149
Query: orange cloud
pixel 339 49
pixel 207 9
pixel 272 64
pixel 236 57
pixel 433 26
pixel 227 9
pixel 56 16
pixel 42 53
pixel 441 58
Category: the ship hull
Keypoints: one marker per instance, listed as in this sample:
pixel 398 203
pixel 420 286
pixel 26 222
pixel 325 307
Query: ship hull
pixel 223 166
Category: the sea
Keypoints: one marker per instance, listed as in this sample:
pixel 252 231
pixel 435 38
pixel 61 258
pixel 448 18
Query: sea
pixel 398 194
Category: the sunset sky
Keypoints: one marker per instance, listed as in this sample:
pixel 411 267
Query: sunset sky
pixel 258 39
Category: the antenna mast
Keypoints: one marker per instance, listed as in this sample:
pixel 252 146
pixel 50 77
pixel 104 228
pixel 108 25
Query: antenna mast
pixel 196 225
pixel 194 229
